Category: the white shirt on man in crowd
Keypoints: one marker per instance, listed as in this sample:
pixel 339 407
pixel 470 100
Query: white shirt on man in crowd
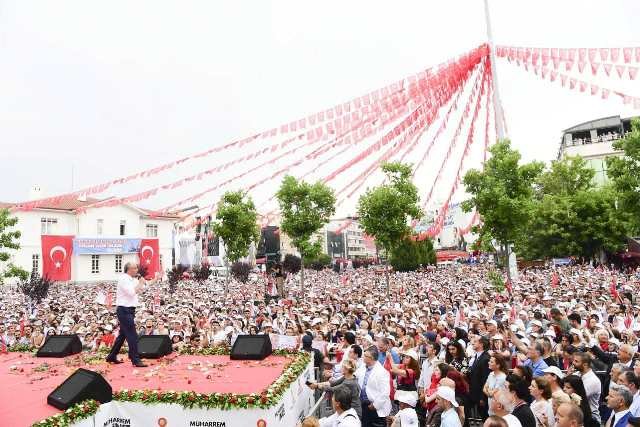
pixel 593 388
pixel 348 418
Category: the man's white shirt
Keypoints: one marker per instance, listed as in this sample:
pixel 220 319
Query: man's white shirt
pixel 348 418
pixel 126 295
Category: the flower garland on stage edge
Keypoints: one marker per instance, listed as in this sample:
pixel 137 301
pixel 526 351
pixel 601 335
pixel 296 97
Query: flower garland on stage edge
pixel 76 413
pixel 225 401
pixel 189 399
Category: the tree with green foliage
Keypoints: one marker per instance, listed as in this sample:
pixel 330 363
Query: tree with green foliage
pixel 565 177
pixel 625 175
pixel 571 216
pixel 412 254
pixel 385 211
pixel 304 208
pixel 502 193
pixel 582 224
pixel 236 224
pixel 9 240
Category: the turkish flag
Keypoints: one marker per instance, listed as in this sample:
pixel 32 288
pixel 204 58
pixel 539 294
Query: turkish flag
pixel 56 257
pixel 150 256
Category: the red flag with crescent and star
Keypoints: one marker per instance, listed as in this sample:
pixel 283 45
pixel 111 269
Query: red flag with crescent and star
pixel 150 256
pixel 56 257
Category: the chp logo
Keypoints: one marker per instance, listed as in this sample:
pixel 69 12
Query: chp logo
pixel 261 423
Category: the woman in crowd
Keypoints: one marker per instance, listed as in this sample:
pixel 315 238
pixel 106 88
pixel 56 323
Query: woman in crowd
pixel 574 387
pixel 455 356
pixel 439 372
pixel 497 376
pixel 541 406
pixel 37 337
pixel 347 380
pixel 407 372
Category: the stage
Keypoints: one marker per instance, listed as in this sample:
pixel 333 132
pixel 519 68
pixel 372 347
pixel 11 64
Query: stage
pixel 27 380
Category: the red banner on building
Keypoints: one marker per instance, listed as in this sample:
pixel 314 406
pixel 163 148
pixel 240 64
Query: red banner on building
pixel 56 257
pixel 150 256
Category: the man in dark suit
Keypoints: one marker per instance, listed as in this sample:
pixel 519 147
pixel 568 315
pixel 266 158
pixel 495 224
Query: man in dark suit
pixel 478 373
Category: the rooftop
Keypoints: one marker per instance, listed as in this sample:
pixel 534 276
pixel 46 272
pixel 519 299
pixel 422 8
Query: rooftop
pixel 70 205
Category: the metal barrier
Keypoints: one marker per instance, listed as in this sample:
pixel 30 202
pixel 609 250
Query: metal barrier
pixel 316 409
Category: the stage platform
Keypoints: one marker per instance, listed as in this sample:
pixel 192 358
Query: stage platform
pixel 27 380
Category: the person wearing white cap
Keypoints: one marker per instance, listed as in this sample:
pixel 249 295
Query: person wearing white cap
pixel 446 399
pixel 406 416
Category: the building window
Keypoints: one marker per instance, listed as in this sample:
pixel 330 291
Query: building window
pixel 47 225
pixel 123 227
pixel 152 230
pixel 118 263
pixel 35 263
pixel 99 227
pixel 95 264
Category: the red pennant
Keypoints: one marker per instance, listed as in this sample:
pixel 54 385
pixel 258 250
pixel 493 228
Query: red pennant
pixel 592 54
pixel 572 54
pixel 620 69
pixel 594 89
pixel 150 256
pixel 56 257
pixel 607 69
pixel 604 54
pixel 554 53
pixel 556 62
pixel 605 93
pixel 626 54
pixel 568 65
pixel 563 54
pixel 563 79
pixel 581 65
pixel 582 54
pixel 553 76
pixel 633 72
pixel 583 86
pixel 572 83
pixel 615 54
pixel 594 68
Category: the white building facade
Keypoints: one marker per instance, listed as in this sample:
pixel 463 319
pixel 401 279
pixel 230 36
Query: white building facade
pixel 122 222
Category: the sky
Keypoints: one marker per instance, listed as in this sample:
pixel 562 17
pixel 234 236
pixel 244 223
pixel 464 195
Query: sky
pixel 97 90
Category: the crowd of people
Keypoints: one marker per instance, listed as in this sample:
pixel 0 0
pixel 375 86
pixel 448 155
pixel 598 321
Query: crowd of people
pixel 440 347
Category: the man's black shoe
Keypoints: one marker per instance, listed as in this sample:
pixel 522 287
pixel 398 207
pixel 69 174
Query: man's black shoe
pixel 114 361
pixel 139 364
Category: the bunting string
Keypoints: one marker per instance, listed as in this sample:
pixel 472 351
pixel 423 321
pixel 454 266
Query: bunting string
pixel 567 81
pixel 436 228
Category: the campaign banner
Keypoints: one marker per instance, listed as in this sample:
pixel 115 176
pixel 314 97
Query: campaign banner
pixel 99 246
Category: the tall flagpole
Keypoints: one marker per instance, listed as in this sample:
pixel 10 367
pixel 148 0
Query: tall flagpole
pixel 497 105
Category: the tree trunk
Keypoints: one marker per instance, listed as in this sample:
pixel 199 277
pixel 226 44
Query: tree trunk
pixel 508 261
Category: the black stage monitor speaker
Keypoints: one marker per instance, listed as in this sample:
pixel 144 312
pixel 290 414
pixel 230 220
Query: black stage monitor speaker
pixel 60 346
pixel 81 385
pixel 251 347
pixel 154 346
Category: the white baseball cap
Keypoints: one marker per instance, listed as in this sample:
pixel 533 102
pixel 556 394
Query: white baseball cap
pixel 554 370
pixel 408 397
pixel 447 393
